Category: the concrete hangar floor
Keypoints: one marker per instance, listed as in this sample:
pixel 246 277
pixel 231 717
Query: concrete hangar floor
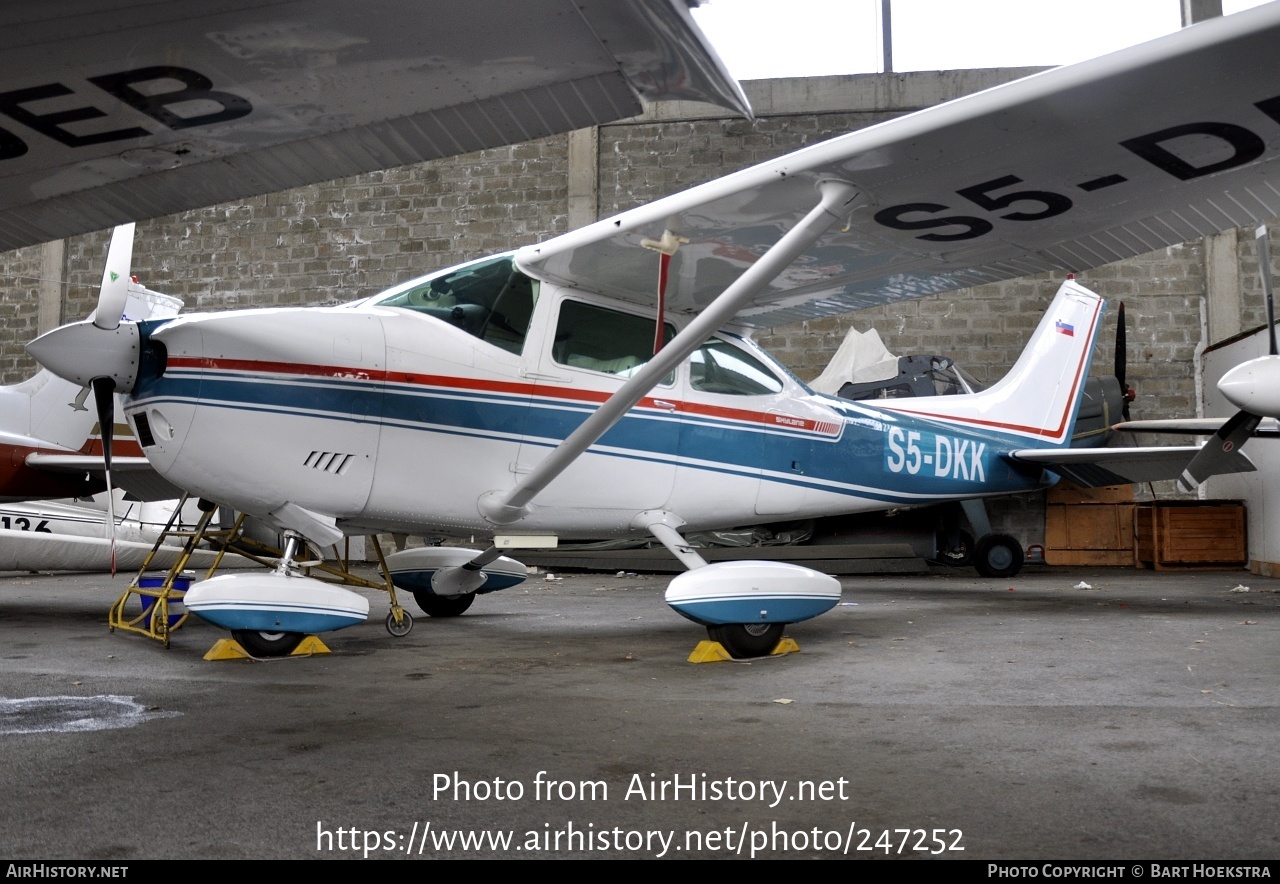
pixel 1021 719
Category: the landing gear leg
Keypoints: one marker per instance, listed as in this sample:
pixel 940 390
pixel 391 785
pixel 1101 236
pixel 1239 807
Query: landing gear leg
pixel 275 644
pixel 399 621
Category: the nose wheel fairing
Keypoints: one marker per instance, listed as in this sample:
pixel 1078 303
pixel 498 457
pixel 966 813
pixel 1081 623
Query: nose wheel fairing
pixel 275 603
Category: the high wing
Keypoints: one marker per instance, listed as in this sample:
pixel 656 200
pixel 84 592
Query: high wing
pixel 1095 467
pixel 1069 169
pixel 129 110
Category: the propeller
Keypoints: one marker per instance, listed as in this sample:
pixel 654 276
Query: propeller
pixel 1253 387
pixel 104 397
pixel 100 353
pixel 113 297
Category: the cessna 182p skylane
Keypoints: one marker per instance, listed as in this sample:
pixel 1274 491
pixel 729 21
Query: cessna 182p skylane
pixel 604 382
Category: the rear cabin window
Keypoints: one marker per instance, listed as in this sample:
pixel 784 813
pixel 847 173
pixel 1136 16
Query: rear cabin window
pixel 489 299
pixel 604 340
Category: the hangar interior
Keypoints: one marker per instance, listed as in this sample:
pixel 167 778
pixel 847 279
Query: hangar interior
pixel 346 239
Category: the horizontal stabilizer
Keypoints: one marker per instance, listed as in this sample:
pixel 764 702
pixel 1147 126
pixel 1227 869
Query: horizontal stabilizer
pixel 1095 467
pixel 1194 426
pixel 134 474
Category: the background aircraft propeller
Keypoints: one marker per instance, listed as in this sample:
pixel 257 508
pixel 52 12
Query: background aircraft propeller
pixel 1249 386
pixel 1127 393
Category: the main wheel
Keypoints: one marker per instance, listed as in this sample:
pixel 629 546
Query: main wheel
pixel 747 639
pixel 443 606
pixel 998 555
pixel 268 644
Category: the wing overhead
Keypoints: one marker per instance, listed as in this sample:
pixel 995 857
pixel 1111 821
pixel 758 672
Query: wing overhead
pixel 1069 169
pixel 1095 467
pixel 128 110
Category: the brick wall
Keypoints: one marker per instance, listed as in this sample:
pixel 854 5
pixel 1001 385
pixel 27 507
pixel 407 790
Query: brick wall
pixel 22 271
pixel 322 244
pixel 341 240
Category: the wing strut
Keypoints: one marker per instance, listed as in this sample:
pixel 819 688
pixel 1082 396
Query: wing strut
pixel 503 508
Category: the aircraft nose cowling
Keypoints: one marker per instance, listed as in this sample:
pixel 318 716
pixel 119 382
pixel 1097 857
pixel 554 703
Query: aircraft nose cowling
pixel 1254 386
pixel 259 408
pixel 82 351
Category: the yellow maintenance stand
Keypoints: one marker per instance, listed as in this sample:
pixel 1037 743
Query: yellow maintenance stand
pixel 158 595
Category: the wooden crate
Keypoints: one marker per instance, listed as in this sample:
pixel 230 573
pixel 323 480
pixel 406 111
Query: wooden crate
pixel 1088 533
pixel 1192 534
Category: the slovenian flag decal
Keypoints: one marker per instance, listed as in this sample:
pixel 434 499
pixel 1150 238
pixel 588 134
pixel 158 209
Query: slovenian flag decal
pixel 1065 328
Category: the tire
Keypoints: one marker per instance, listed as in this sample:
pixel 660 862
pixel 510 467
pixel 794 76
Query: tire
pixel 268 644
pixel 998 555
pixel 443 606
pixel 745 640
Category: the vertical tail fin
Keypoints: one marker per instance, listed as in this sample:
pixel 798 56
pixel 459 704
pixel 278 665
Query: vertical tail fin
pixel 1037 401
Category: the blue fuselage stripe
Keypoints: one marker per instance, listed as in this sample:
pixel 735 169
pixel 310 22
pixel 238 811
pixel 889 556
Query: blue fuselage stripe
pixel 852 462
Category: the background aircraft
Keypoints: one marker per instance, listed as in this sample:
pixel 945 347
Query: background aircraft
pixel 528 370
pixel 73 535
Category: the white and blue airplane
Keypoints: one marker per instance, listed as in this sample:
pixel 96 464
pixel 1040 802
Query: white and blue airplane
pixel 604 383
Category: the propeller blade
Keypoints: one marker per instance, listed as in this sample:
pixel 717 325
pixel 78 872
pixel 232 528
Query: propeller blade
pixel 1262 240
pixel 104 390
pixel 1218 451
pixel 1121 345
pixel 1122 360
pixel 115 279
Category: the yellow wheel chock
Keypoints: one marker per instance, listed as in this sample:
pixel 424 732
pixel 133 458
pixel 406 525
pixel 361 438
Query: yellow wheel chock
pixel 708 651
pixel 230 649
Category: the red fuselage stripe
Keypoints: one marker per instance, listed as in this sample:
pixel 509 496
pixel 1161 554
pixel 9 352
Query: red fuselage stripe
pixel 489 386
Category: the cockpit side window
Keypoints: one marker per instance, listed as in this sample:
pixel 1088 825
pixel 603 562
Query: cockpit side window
pixel 720 367
pixel 489 299
pixel 604 340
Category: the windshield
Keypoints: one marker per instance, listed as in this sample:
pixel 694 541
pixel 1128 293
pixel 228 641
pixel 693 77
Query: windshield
pixel 490 299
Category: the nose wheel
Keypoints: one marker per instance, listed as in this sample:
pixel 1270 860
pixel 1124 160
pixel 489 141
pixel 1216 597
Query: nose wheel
pixel 268 644
pixel 743 640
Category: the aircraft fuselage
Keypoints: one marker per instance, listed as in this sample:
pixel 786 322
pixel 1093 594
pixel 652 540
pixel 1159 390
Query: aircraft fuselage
pixel 399 416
